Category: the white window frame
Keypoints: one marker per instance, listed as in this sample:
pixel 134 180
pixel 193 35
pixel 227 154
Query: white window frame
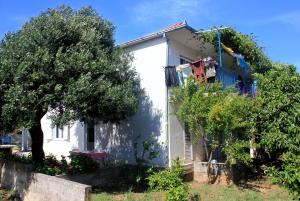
pixel 185 59
pixel 62 133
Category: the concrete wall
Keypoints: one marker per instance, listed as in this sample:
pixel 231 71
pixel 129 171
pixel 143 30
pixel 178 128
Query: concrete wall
pixel 39 187
pixel 49 188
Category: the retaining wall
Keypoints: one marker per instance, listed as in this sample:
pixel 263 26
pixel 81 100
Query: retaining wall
pixel 222 176
pixel 40 187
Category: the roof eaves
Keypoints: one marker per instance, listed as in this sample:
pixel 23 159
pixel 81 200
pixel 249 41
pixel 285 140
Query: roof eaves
pixel 156 35
pixel 141 39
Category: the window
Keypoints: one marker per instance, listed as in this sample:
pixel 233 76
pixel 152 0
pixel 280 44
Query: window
pixel 184 60
pixel 187 134
pixel 90 136
pixel 61 132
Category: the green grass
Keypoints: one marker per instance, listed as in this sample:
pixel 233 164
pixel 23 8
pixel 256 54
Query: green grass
pixel 128 196
pixel 252 192
pixel 233 193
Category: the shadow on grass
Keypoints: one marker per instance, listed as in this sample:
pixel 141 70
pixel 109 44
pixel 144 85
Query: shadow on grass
pixel 257 183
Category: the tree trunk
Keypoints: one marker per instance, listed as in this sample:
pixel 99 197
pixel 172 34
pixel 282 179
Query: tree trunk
pixel 37 140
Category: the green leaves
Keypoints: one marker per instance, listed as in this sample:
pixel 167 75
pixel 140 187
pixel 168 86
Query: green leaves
pixel 65 61
pixel 246 45
pixel 279 92
pixel 223 116
pixel 167 179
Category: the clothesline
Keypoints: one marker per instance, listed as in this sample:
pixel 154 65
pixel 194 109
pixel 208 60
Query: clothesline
pixel 207 70
pixel 203 70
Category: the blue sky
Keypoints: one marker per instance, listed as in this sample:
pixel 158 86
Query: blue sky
pixel 275 23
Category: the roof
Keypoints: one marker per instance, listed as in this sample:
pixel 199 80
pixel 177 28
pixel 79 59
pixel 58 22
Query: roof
pixel 176 26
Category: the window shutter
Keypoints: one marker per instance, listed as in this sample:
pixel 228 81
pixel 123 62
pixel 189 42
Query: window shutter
pixel 66 132
pixel 53 129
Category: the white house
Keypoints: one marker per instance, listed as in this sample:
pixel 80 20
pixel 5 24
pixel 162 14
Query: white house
pixel 171 46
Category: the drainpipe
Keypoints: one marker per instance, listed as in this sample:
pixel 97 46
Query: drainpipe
pixel 167 103
pixel 219 47
pixel 25 140
pixel 220 57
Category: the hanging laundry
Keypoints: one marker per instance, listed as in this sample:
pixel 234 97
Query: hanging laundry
pixel 242 63
pixel 239 58
pixel 210 67
pixel 210 71
pixel 199 70
pixel 184 71
pixel 171 76
pixel 227 49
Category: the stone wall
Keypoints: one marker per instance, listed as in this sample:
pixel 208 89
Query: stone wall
pixel 40 187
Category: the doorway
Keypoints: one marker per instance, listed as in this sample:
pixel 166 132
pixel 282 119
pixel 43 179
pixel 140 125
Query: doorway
pixel 90 136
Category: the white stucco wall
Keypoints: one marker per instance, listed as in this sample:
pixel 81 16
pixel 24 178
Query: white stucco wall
pixel 176 128
pixel 73 140
pixel 119 139
pixel 177 49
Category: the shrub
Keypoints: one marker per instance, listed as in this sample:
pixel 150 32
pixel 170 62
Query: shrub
pixel 177 168
pixel 41 168
pixel 164 180
pixel 51 166
pixel 81 163
pixel 179 193
pixel 16 158
pixel 167 179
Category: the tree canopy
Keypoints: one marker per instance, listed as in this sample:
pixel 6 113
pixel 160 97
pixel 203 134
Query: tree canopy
pixel 279 123
pixel 64 61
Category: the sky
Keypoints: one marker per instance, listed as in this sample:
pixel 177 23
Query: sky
pixel 275 23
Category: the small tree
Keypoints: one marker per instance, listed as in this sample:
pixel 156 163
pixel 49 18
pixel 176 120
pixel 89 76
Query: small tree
pixel 66 62
pixel 220 118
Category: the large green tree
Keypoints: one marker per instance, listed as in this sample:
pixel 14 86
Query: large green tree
pixel 64 61
pixel 279 122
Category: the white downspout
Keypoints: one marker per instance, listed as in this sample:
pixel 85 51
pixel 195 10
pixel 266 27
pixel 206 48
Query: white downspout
pixel 167 105
pixel 25 133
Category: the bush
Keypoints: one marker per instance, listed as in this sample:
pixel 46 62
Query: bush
pixel 164 180
pixel 179 193
pixel 16 158
pixel 81 163
pixel 167 179
pixel 171 180
pixel 51 166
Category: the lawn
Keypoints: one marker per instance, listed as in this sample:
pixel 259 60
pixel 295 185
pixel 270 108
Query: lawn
pixel 253 191
pixel 7 195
